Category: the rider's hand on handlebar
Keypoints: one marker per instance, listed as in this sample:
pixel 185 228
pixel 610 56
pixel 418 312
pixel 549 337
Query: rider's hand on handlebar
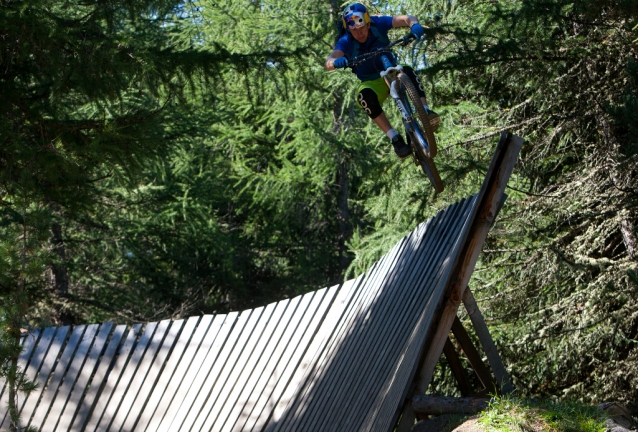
pixel 417 30
pixel 340 63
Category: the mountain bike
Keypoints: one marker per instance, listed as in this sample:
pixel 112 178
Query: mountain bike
pixel 418 130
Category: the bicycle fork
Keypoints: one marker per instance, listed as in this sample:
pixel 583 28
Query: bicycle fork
pixel 414 133
pixel 389 76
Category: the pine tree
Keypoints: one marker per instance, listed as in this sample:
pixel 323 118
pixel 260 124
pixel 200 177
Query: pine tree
pixel 560 267
pixel 88 92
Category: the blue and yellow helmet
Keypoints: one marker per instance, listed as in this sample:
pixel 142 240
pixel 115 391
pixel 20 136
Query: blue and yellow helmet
pixel 354 16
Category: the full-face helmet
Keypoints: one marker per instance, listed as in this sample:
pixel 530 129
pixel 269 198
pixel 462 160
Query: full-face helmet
pixel 354 16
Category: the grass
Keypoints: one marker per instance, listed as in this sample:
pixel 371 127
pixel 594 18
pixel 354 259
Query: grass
pixel 509 414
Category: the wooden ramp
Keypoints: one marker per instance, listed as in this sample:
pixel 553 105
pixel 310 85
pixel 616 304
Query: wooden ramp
pixel 344 358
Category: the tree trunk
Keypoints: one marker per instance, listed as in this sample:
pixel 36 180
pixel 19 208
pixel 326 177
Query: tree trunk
pixel 59 273
pixel 629 238
pixel 438 405
pixel 18 314
pixel 343 213
pixel 343 216
pixel 623 179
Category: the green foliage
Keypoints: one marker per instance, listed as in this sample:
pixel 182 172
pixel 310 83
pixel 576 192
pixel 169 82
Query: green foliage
pixel 557 276
pixel 21 270
pixel 218 224
pixel 170 158
pixel 555 273
pixel 513 414
pixel 90 94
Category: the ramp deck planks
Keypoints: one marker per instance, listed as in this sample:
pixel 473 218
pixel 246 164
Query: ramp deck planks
pixel 340 358
pixel 335 359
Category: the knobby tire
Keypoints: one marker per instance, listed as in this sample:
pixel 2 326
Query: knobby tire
pixel 425 161
pixel 414 97
pixel 429 169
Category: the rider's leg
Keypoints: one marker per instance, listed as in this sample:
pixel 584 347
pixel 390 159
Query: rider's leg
pixel 370 96
pixel 382 121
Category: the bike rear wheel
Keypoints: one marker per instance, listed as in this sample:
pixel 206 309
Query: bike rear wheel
pixel 421 115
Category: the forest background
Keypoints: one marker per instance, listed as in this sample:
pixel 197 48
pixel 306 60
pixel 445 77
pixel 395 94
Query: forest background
pixel 163 158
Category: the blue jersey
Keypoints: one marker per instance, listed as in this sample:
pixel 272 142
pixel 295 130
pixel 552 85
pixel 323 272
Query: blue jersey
pixel 377 38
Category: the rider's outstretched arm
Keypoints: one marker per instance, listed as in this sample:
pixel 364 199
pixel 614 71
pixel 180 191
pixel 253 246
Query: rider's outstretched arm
pixel 404 21
pixel 409 21
pixel 330 61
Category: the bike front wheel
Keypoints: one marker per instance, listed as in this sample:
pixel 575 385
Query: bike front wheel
pixel 429 169
pixel 420 132
pixel 423 160
pixel 421 116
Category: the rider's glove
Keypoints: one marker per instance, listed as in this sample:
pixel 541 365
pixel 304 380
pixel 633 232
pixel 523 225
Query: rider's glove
pixel 417 30
pixel 340 63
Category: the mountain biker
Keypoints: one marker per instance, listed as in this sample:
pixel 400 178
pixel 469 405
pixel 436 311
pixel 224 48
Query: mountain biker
pixel 364 34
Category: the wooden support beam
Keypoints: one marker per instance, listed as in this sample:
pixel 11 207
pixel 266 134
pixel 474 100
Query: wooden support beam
pixel 473 356
pixel 439 405
pixel 495 361
pixel 457 368
pixel 489 202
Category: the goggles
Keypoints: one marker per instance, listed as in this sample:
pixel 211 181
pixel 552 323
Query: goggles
pixel 355 20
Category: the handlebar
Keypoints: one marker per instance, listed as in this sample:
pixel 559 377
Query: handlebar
pixel 405 40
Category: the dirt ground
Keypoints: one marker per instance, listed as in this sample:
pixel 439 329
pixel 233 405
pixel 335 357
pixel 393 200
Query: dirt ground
pixel 470 425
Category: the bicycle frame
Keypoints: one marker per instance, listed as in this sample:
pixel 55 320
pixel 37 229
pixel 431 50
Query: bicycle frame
pixel 390 71
pixel 389 76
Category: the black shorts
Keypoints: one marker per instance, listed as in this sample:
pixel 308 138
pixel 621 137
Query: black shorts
pixel 368 97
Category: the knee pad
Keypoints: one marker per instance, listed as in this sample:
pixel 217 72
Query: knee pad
pixel 415 80
pixel 369 101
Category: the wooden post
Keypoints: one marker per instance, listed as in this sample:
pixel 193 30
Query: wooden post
pixel 487 343
pixel 457 368
pixel 439 405
pixel 473 356
pixel 490 200
pixel 483 223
